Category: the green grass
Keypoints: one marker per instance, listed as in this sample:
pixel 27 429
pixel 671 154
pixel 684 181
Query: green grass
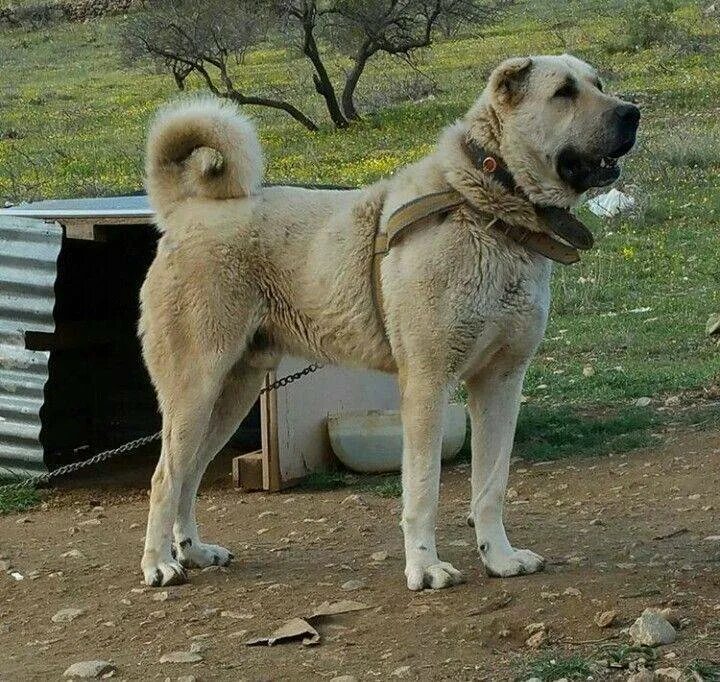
pixel 550 667
pixel 709 671
pixel 73 119
pixel 624 654
pixel 546 434
pixel 382 485
pixel 326 480
pixel 18 499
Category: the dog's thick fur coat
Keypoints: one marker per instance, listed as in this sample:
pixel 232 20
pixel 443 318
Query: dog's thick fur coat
pixel 245 274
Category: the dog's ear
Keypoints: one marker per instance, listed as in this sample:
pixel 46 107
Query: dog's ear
pixel 509 80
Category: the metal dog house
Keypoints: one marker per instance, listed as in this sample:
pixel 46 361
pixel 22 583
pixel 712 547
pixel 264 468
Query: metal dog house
pixel 72 380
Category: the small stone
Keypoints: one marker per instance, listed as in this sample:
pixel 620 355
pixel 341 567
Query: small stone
pixel 90 522
pixel 158 615
pixel 67 615
pixel 199 647
pixel 379 556
pixel 535 627
pixel 354 499
pixel 24 519
pixel 134 526
pixel 712 538
pixel 572 592
pixel 237 615
pixel 668 674
pixel 643 402
pixel 536 640
pixel 605 619
pixel 588 371
pixel 209 613
pixel 344 678
pixel 187 678
pixel 181 657
pixel 651 629
pixel 597 522
pixel 353 584
pixel 90 669
pixel 72 554
pixel 643 675
pixel 402 671
pixel 164 596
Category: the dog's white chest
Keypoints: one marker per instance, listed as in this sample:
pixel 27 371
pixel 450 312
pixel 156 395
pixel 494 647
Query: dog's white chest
pixel 510 314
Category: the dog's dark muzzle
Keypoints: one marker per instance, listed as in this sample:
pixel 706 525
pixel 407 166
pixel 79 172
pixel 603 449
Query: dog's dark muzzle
pixel 582 170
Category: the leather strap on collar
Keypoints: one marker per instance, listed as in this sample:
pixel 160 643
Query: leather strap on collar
pixel 411 215
pixel 554 219
pixel 489 163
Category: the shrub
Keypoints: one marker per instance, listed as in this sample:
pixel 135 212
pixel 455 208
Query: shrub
pixel 649 22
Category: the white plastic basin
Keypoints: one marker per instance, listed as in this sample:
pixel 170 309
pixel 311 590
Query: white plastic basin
pixel 371 442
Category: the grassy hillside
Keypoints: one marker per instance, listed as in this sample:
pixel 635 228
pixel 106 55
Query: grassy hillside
pixel 72 118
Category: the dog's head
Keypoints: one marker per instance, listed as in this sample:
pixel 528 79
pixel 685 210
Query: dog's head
pixel 559 132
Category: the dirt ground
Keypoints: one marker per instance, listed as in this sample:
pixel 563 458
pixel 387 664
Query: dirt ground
pixel 599 522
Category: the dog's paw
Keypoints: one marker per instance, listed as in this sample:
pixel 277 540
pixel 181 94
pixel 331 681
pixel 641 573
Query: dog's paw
pixel 164 573
pixel 199 555
pixel 511 563
pixel 435 576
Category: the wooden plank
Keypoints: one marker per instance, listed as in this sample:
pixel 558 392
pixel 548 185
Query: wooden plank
pixel 299 418
pixel 85 230
pixel 99 229
pixel 248 471
pixel 269 436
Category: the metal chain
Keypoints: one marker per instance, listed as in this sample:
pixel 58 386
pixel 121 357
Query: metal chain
pixel 138 442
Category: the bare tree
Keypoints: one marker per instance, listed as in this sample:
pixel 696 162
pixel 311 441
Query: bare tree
pixel 206 39
pixel 363 28
pixel 188 39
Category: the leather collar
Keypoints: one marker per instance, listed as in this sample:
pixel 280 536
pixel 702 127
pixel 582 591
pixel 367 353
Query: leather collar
pixel 555 220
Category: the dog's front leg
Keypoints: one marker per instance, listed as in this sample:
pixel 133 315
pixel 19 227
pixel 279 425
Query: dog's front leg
pixel 423 403
pixel 494 401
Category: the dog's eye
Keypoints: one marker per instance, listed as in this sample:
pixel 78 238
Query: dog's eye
pixel 567 91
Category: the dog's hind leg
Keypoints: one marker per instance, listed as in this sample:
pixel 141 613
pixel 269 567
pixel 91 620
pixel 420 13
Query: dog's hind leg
pixel 240 390
pixel 186 416
pixel 494 401
pixel 424 397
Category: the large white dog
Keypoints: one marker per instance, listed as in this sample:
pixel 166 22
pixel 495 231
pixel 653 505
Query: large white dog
pixel 244 275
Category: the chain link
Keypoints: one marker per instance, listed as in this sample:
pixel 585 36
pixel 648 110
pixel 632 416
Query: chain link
pixel 138 442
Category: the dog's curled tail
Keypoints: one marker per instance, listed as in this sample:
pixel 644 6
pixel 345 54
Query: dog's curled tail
pixel 202 147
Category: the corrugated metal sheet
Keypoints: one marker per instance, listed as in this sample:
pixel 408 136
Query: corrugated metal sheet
pixel 28 267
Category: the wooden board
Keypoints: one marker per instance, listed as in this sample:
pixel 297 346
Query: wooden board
pixel 294 418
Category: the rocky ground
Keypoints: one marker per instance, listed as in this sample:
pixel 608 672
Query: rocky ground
pixel 621 535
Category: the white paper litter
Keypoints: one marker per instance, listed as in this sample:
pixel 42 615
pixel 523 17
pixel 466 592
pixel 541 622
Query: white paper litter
pixel 611 203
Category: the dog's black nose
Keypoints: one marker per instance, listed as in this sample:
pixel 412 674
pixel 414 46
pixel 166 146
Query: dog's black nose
pixel 628 115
